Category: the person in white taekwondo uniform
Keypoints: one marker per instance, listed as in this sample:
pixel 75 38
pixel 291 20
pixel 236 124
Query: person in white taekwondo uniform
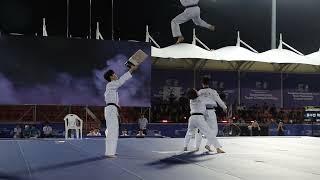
pixel 211 98
pixel 192 11
pixel 111 112
pixel 197 120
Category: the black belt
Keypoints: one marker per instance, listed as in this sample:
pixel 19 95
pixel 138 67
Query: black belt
pixel 209 108
pixel 196 114
pixel 194 5
pixel 113 104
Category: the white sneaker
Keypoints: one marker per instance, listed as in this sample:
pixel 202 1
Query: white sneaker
pixel 220 150
pixel 111 156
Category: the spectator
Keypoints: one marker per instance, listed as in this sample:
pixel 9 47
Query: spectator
pixel 280 129
pixel 96 132
pixel 47 130
pixel 17 132
pixel 90 133
pixel 255 128
pixel 231 129
pixel 35 133
pixel 30 132
pixel 125 132
pixel 142 121
pixel 26 131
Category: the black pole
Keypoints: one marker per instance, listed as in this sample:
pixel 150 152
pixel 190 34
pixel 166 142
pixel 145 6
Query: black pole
pixel 112 23
pixel 312 127
pixel 90 13
pixel 67 18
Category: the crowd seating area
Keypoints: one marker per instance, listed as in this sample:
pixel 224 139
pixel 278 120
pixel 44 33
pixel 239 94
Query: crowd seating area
pixel 165 113
pixel 178 112
pixel 267 114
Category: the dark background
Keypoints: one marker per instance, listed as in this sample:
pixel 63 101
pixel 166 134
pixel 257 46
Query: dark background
pixel 296 19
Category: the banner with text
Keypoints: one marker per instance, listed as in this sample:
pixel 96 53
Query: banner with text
pixel 260 88
pixel 301 90
pixel 170 85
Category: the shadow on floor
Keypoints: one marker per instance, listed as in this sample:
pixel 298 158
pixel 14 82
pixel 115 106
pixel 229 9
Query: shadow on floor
pixel 182 159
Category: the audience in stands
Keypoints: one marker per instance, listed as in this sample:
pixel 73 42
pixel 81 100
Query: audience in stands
pixel 231 129
pixel 264 114
pixel 178 111
pixel 173 111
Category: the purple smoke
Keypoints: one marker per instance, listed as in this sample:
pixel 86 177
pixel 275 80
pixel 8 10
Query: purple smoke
pixel 66 89
pixel 7 94
pixel 136 91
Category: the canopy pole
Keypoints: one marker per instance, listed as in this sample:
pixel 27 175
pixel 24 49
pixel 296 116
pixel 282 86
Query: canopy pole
pixel 281 89
pixel 239 88
pixel 274 24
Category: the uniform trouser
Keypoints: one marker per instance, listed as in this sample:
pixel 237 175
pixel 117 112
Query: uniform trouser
pixel 112 131
pixel 189 13
pixel 198 122
pixel 211 119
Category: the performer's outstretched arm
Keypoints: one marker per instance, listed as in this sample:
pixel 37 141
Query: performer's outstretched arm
pixel 118 83
pixel 217 98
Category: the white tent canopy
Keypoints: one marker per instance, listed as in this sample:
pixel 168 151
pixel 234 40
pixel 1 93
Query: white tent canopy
pixel 280 56
pixel 235 57
pixel 182 51
pixel 234 53
pixel 314 58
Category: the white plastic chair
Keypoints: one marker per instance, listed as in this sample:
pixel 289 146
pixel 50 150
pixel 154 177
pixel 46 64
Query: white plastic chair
pixel 71 122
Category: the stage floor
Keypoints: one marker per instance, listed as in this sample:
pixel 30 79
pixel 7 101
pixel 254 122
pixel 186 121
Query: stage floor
pixel 249 158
